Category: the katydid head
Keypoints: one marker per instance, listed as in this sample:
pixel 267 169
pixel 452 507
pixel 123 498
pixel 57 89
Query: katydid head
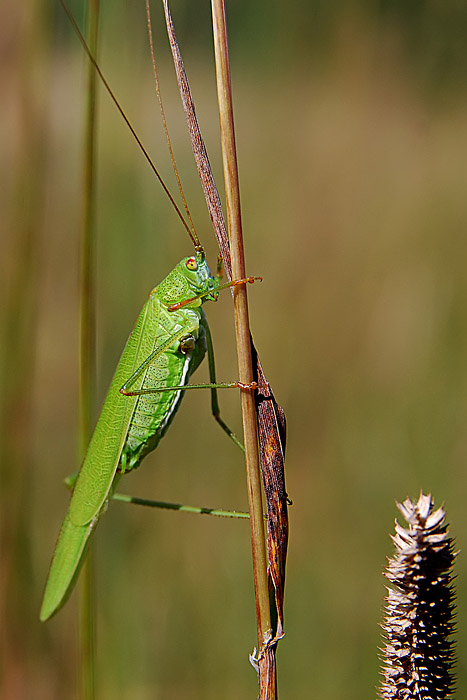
pixel 190 283
pixel 199 278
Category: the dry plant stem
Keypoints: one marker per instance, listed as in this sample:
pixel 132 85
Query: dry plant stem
pixel 271 415
pixel 87 348
pixel 242 323
pixel 199 150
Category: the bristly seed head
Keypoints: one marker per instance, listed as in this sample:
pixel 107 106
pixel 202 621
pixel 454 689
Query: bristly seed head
pixel 418 654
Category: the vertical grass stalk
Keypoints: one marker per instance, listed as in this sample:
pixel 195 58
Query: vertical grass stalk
pixel 87 345
pixel 25 63
pixel 242 323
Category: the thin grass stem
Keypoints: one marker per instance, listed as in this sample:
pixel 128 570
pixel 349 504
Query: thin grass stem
pixel 242 323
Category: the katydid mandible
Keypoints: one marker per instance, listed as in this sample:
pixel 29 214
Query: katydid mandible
pixel 167 344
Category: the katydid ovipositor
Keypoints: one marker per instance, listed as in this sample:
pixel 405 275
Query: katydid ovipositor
pixel 167 344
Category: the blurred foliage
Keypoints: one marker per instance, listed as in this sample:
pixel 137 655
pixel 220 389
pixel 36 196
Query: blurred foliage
pixel 352 149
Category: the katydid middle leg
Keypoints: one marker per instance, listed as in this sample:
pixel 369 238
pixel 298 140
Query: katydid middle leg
pixel 214 398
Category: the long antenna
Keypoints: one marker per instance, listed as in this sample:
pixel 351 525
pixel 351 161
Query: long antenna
pixel 164 121
pixel 80 36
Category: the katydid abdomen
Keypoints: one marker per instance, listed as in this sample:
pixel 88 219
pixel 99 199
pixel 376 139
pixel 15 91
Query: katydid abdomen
pixel 154 413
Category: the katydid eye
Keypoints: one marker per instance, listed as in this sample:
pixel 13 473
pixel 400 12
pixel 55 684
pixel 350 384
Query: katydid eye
pixel 191 264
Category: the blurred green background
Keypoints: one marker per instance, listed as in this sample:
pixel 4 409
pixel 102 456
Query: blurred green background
pixel 351 128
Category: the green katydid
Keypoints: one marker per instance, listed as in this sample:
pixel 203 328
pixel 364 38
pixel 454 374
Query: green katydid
pixel 167 344
pixel 169 341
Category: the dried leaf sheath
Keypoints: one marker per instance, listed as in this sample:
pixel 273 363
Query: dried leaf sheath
pixel 418 653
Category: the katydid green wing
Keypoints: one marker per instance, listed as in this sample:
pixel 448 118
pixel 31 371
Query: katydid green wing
pixel 97 473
